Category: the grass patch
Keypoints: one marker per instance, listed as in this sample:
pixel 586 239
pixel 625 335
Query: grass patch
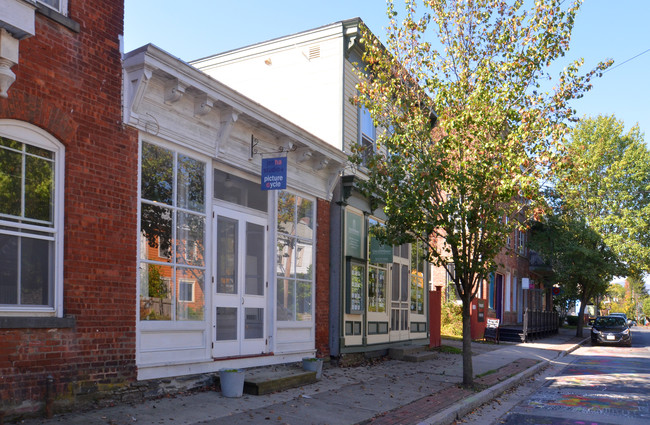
pixel 489 372
pixel 449 350
pixel 453 337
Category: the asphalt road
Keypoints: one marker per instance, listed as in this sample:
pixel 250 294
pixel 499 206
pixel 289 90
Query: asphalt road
pixel 602 385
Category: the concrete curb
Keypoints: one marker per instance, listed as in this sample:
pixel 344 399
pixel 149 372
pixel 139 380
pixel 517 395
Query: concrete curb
pixel 463 407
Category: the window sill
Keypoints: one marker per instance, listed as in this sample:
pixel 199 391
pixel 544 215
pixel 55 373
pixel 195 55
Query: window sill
pixel 37 322
pixel 58 18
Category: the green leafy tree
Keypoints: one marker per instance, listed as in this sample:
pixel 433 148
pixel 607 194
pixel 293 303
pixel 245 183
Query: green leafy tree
pixel 646 308
pixel 616 294
pixel 609 185
pixel 581 261
pixel 498 134
pixel 635 295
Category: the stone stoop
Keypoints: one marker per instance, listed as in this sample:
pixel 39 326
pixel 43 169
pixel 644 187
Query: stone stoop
pixel 271 379
pixel 411 353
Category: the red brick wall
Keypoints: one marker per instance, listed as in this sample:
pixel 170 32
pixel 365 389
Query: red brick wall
pixel 70 85
pixel 322 278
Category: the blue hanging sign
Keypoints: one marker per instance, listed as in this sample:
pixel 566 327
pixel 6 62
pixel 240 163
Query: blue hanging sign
pixel 274 173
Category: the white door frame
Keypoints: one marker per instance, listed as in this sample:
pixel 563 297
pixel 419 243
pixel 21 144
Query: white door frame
pixel 400 306
pixel 236 297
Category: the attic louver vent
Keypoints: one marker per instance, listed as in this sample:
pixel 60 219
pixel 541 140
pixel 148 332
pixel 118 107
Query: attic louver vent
pixel 314 53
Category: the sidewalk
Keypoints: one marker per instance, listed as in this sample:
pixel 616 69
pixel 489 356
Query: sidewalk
pixel 390 392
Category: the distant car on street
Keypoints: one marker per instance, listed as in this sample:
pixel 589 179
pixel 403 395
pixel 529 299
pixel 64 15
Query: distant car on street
pixel 629 322
pixel 612 329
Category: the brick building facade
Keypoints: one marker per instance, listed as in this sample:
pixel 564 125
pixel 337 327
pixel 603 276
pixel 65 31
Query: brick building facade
pixel 68 267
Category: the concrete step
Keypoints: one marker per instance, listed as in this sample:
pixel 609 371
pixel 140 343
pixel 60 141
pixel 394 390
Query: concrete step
pixel 419 356
pixel 410 353
pixel 275 378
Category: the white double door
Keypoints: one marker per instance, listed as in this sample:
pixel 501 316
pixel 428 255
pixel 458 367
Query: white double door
pixel 240 299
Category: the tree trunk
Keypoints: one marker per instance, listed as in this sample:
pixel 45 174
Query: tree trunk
pixel 468 370
pixel 581 317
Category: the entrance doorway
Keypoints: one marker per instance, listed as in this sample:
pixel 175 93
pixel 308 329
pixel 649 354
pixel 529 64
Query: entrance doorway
pixel 400 285
pixel 240 300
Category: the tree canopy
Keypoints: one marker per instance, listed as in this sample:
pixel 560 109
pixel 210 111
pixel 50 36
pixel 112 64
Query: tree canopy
pixel 608 185
pixel 471 130
pixel 581 260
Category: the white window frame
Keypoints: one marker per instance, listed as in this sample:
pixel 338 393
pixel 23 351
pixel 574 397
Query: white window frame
pixel 62 9
pixel 295 322
pixel 367 141
pixel 24 132
pixel 175 209
pixel 189 282
pixel 521 243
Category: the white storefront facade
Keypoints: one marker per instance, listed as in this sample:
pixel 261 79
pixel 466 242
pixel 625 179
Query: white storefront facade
pixel 227 271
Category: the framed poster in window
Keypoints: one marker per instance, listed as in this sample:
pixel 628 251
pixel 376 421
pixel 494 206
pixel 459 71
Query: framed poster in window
pixel 355 288
pixel 354 233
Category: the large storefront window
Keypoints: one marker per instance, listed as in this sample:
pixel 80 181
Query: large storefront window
pixel 379 255
pixel 294 266
pixel 172 230
pixel 30 236
pixel 417 277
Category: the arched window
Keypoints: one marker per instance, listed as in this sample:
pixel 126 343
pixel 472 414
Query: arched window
pixel 31 220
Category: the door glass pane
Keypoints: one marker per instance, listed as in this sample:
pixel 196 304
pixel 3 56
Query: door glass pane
pixel 404 320
pixel 394 293
pixel 254 323
pixel 394 319
pixel 254 259
pixel 227 255
pixel 226 323
pixel 404 287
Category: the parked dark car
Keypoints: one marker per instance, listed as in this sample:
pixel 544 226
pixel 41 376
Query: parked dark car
pixel 611 330
pixel 629 322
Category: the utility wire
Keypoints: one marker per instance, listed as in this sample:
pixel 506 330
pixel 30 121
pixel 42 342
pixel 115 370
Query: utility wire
pixel 614 67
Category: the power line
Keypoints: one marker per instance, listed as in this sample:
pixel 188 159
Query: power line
pixel 614 67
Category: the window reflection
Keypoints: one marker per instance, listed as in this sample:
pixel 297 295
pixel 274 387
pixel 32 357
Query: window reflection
pixel 294 263
pixel 172 246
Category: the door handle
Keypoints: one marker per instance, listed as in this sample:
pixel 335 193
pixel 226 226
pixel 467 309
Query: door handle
pixel 242 300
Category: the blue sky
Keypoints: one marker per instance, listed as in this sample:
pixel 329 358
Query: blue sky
pixel 604 29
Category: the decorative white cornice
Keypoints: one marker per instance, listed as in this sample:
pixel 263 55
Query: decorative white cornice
pixel 229 117
pixel 151 74
pixel 202 105
pixel 135 85
pixel 321 164
pixel 174 90
pixel 304 155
